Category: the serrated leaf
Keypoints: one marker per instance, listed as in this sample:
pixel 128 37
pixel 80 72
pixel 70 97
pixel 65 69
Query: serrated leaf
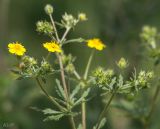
pixel 101 124
pixel 36 109
pixel 120 81
pixel 54 117
pixel 15 71
pixel 50 111
pixel 111 85
pixel 84 95
pixel 75 91
pixel 60 89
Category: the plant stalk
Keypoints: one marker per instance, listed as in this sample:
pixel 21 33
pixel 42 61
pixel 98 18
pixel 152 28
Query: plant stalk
pixel 65 34
pixel 49 97
pixel 102 114
pixel 153 106
pixel 63 76
pixel 83 105
pixel 59 56
pixel 52 21
pixel 77 75
pixel 72 123
pixel 88 65
pixel 83 114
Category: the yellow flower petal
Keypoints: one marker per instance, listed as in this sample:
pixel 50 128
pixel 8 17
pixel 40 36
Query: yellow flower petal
pixel 96 43
pixel 52 47
pixel 16 48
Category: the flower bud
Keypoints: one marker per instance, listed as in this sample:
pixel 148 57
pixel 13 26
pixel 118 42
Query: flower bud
pixel 149 36
pixel 82 17
pixel 144 78
pixel 44 27
pixel 29 60
pixel 109 72
pixel 46 68
pixel 70 68
pixel 122 63
pixel 69 21
pixel 150 75
pixel 48 9
pixel 103 77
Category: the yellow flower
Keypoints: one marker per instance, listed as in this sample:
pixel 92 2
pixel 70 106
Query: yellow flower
pixel 96 43
pixel 52 47
pixel 16 48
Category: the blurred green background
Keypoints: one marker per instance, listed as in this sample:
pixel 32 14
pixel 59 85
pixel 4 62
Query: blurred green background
pixel 117 22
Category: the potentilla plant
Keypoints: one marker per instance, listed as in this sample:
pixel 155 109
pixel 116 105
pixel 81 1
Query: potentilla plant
pixel 109 81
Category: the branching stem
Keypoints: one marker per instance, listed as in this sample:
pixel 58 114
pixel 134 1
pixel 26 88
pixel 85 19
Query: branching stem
pixel 48 96
pixel 59 56
pixel 83 105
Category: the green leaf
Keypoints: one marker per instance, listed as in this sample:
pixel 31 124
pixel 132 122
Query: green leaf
pixel 54 117
pixel 20 78
pixel 50 111
pixel 75 91
pixel 79 126
pixel 36 109
pixel 60 89
pixel 101 125
pixel 120 81
pixel 84 95
pixel 15 71
pixel 110 86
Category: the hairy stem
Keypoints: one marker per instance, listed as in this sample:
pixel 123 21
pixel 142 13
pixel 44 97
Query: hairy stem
pixel 77 75
pixel 55 29
pixel 65 34
pixel 63 76
pixel 88 65
pixel 48 96
pixel 153 106
pixel 83 105
pixel 72 123
pixel 83 114
pixel 59 56
pixel 102 114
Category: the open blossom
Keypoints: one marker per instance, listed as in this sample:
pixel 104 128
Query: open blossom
pixel 52 47
pixel 16 48
pixel 96 43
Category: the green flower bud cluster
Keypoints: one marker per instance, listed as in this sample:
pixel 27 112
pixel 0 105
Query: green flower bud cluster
pixel 70 68
pixel 28 67
pixel 143 78
pixel 122 63
pixel 69 21
pixel 103 77
pixel 67 61
pixel 29 60
pixel 45 27
pixel 48 9
pixel 67 58
pixel 45 68
pixel 149 35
